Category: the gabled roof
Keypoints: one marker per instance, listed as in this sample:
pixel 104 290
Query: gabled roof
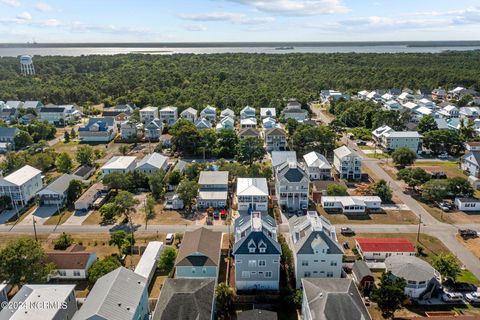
pixel 104 123
pixel 201 241
pixel 186 299
pixel 252 132
pixel 154 159
pixel 344 151
pixel 248 121
pixel 66 260
pixel 52 110
pixel 275 132
pixel 169 109
pixel 31 104
pixel 317 160
pixel 213 177
pixel 279 157
pixel 149 109
pixel 334 299
pixel 268 112
pixel 189 110
pixel 116 295
pixel 154 124
pixel 8 132
pixel 305 244
pixel 272 246
pixel 14 104
pixel 22 175
pixel 252 187
pixel 227 112
pixel 203 123
pixel 360 269
pixel 385 245
pixel 248 109
pixel 209 109
pixel 60 185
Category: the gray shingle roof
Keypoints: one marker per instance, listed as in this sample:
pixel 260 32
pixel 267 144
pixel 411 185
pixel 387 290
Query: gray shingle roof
pixel 279 157
pixel 410 268
pixel 8 132
pixel 186 299
pixel 334 299
pixel 361 269
pixel 203 241
pixel 60 185
pixel 115 296
pixel 291 171
pixel 257 314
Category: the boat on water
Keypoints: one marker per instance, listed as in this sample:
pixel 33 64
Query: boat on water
pixel 285 48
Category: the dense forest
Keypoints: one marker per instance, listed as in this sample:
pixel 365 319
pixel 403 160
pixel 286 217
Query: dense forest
pixel 232 80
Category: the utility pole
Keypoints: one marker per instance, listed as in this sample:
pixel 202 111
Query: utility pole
pixel 419 224
pixel 34 227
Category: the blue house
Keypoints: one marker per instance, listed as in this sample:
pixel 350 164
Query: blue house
pixel 98 130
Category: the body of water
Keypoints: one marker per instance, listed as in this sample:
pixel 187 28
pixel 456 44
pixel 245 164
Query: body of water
pixel 85 50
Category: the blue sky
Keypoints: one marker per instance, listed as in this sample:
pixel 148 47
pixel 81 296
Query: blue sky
pixel 238 20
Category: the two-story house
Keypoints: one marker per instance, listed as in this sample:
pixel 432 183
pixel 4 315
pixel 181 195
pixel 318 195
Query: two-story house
pixel 227 113
pixel 168 115
pixel 203 123
pixel 7 138
pixel 292 186
pixel 225 123
pixel 269 123
pixel 153 130
pixel 252 194
pixel 294 110
pixel 213 189
pixel 347 163
pixel 189 114
pixel 98 130
pixel 275 139
pixel 257 253
pixel 470 163
pixel 147 114
pixel 209 113
pixel 199 254
pixel 130 130
pixel 55 194
pixel 248 133
pixel 401 139
pixel 22 185
pixel 248 123
pixel 317 253
pixel 318 167
pixel 53 115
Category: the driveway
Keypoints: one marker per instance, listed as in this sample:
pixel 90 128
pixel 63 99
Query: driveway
pixel 7 215
pixel 77 218
pixel 41 214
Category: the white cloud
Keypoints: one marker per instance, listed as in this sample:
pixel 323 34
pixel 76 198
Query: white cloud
pixel 11 3
pixel 297 7
pixel 24 16
pixel 111 29
pixel 235 18
pixel 51 23
pixel 43 7
pixel 195 27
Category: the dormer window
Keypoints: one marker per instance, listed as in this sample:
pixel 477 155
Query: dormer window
pixel 251 246
pixel 262 247
pixel 262 250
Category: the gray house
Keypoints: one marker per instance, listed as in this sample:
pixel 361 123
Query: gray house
pixel 7 138
pixel 257 253
pixel 186 299
pixel 470 163
pixel 347 163
pixel 317 253
pixel 213 191
pixel 199 254
pixel 332 299
pixel 119 295
pixel 292 186
pixel 55 194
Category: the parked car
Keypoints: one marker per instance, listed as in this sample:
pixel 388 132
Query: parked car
pixel 346 231
pixel 467 233
pixel 473 297
pixel 452 297
pixel 444 206
pixel 361 143
pixel 169 238
pixel 216 215
pixel 443 156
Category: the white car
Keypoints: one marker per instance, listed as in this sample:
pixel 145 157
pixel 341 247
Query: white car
pixel 454 297
pixel 473 297
pixel 169 238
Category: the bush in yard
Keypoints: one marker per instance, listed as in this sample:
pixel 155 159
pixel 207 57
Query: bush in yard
pixel 167 259
pixel 63 242
pixel 101 267
pixel 383 190
pixel 447 265
pixel 336 190
pixel 390 294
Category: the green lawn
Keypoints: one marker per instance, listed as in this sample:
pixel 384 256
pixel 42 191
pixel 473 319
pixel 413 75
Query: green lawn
pixel 451 168
pixel 378 155
pixel 467 276
pixel 57 218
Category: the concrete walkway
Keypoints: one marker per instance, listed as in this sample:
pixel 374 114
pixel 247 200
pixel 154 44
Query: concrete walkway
pixel 41 214
pixel 77 218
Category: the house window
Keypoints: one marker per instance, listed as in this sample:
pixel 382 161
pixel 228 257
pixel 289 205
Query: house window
pixel 76 273
pixel 262 250
pixel 262 263
pixel 307 274
pixel 204 270
pixel 329 274
pixel 238 261
pixel 62 273
pixel 245 274
pixel 251 250
pixel 252 263
pixel 268 274
pixel 304 263
pixel 193 270
pixel 333 263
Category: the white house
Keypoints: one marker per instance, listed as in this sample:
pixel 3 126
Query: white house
pixel 98 130
pixel 148 262
pixel 294 110
pixel 420 277
pixel 130 130
pixel 450 111
pixel 22 185
pixel 275 139
pixel 42 301
pixel 347 163
pixel 470 162
pixel 327 95
pixel 88 198
pixel 153 129
pixel 152 163
pixel 248 123
pixel 189 114
pixel 269 123
pixel 72 263
pixel 467 204
pixel 213 189
pixel 405 97
pixel 317 166
pixel 53 115
pixel 120 164
pixel 378 133
pixel 209 113
pixel 378 249
pixel 147 114
pixel 411 106
pixel 317 253
pixel 268 113
pixel 252 194
pixel 168 115
pixel 351 204
pixel 247 112
pixel 426 103
pixel 393 140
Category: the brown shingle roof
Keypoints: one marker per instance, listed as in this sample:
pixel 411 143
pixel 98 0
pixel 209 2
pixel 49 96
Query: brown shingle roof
pixel 68 260
pixel 203 241
pixel 275 132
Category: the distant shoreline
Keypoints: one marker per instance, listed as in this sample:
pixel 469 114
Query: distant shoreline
pixel 419 44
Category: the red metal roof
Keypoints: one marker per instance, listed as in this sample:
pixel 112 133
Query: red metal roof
pixel 385 245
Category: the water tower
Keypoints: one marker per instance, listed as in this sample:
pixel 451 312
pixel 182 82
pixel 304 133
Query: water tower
pixel 26 66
